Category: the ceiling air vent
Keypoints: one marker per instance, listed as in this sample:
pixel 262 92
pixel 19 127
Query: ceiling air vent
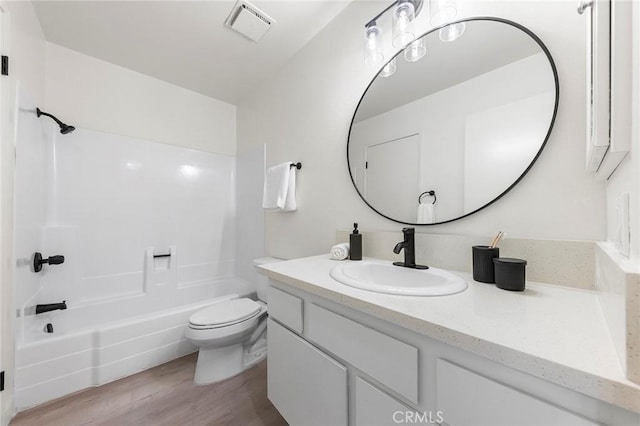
pixel 249 21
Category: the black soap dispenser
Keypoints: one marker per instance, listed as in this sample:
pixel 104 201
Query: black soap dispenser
pixel 355 244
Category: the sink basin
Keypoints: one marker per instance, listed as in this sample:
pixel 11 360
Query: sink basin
pixel 384 277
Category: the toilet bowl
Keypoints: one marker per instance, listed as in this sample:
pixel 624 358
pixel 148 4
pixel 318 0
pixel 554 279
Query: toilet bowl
pixel 231 334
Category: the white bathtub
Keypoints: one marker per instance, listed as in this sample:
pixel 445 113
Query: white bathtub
pixel 90 348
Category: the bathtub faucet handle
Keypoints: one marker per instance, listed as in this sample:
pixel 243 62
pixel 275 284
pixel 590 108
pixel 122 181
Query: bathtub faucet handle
pixel 56 260
pixel 38 261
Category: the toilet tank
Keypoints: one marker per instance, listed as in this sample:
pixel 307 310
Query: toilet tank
pixel 263 281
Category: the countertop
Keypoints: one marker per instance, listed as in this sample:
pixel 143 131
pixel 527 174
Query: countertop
pixel 552 332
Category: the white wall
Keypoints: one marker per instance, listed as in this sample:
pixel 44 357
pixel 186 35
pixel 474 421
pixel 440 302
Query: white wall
pixel 27 48
pixel 94 94
pixel 304 115
pixel 23 41
pixel 249 213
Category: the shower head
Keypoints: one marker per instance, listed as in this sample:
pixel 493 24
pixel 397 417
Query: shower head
pixel 64 128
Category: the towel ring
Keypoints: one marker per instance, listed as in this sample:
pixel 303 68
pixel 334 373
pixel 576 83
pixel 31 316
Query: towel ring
pixel 297 165
pixel 432 193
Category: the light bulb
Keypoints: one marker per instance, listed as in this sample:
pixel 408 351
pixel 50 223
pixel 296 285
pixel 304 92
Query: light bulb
pixel 452 32
pixel 372 49
pixel 388 69
pixel 402 24
pixel 415 51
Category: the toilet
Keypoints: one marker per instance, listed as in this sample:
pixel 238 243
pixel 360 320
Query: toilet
pixel 231 334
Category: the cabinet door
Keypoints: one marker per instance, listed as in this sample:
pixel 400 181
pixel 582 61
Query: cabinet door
pixel 305 385
pixel 467 398
pixel 373 407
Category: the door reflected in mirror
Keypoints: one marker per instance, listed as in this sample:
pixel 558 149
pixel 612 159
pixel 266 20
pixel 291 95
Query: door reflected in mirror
pixel 466 121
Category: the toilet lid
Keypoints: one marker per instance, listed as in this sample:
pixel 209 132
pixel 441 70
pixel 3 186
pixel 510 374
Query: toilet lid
pixel 229 311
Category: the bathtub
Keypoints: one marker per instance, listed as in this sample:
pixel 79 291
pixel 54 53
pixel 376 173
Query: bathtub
pixel 94 344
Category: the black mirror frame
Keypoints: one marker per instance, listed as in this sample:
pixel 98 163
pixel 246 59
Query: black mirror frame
pixel 544 143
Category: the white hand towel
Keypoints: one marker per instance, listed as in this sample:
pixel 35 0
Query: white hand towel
pixel 276 186
pixel 426 213
pixel 340 251
pixel 290 201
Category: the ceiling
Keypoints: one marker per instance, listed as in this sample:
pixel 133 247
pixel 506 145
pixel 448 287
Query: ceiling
pixel 186 42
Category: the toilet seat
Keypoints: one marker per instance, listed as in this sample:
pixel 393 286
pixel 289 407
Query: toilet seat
pixel 224 314
pixel 238 320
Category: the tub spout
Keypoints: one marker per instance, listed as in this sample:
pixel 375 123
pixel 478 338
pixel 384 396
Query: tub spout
pixel 41 309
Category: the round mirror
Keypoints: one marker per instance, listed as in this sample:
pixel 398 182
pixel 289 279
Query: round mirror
pixel 450 132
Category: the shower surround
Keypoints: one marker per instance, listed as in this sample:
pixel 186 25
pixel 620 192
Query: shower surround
pixel 148 231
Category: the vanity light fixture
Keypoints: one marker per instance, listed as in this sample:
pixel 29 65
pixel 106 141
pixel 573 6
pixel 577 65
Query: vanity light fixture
pixel 402 24
pixel 372 49
pixel 403 33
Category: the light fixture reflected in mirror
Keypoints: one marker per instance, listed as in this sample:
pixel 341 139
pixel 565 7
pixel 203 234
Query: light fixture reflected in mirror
pixel 442 11
pixel 452 32
pixel 372 45
pixel 402 24
pixel 388 69
pixel 415 51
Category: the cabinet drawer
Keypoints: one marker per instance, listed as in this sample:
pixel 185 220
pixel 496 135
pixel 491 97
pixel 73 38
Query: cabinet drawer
pixel 286 308
pixel 373 407
pixel 390 361
pixel 467 398
pixel 304 384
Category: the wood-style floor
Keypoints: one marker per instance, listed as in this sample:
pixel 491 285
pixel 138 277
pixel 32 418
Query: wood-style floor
pixel 163 396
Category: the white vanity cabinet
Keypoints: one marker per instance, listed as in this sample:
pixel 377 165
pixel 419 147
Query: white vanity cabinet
pixel 329 364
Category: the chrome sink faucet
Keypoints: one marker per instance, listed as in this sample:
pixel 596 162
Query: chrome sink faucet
pixel 409 246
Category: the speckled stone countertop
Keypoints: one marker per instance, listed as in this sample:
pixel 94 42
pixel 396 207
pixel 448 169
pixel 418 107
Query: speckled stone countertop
pixel 553 332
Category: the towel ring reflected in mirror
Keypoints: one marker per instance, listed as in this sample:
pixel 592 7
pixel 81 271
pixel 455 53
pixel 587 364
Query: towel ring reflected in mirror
pixel 471 118
pixel 431 193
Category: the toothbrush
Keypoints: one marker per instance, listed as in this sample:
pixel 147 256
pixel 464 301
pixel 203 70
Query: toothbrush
pixel 494 239
pixel 497 239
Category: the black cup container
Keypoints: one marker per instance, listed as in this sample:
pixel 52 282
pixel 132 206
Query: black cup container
pixel 510 273
pixel 483 263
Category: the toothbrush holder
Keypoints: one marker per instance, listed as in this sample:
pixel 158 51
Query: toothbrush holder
pixel 483 267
